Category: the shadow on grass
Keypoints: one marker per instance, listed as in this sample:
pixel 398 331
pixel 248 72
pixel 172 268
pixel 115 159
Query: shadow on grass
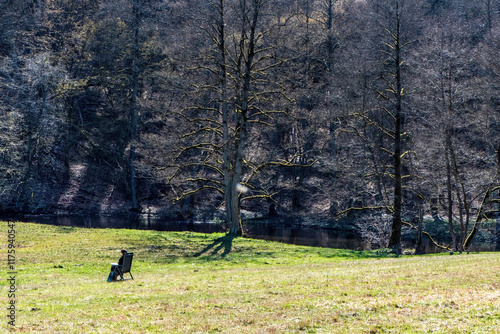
pixel 66 229
pixel 225 242
pixel 367 254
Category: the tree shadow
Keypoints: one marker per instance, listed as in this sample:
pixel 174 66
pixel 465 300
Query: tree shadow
pixel 225 242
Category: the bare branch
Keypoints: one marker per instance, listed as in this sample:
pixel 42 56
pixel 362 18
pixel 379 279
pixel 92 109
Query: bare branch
pixel 195 191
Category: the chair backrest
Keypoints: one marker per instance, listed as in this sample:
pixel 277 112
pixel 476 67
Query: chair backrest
pixel 127 262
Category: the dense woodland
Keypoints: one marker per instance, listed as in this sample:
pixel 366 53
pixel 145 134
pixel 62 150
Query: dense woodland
pixel 383 113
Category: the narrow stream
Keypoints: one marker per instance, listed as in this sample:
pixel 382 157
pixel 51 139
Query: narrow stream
pixel 292 234
pixel 287 233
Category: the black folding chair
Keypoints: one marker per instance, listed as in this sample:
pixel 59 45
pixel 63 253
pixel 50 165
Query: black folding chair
pixel 125 267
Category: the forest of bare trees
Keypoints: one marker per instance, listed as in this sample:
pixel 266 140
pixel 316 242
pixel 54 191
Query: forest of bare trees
pixel 383 114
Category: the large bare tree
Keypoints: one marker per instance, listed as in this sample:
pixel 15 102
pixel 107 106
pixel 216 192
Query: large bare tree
pixel 234 93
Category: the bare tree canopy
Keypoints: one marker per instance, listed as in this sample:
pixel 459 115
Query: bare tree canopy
pixel 381 116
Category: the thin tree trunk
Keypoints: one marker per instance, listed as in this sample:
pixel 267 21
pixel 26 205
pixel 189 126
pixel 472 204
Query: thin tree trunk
pixel 133 109
pixel 449 190
pixel 479 218
pixel 419 248
pixel 463 204
pixel 330 39
pixel 488 15
pixel 497 197
pixel 497 217
pixel 395 236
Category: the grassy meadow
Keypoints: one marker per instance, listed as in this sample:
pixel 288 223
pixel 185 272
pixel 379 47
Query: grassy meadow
pixel 197 283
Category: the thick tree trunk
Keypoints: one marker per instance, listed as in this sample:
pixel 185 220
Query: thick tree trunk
pixel 233 208
pixel 232 176
pixel 234 166
pixel 230 153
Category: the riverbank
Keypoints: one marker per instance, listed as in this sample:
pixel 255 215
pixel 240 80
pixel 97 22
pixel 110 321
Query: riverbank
pixel 188 282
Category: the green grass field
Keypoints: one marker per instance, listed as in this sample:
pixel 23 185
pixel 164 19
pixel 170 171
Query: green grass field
pixel 196 283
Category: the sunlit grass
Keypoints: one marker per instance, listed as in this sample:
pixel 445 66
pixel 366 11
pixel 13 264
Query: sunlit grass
pixel 197 283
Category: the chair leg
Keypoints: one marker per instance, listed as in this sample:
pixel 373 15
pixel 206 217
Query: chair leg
pixel 120 273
